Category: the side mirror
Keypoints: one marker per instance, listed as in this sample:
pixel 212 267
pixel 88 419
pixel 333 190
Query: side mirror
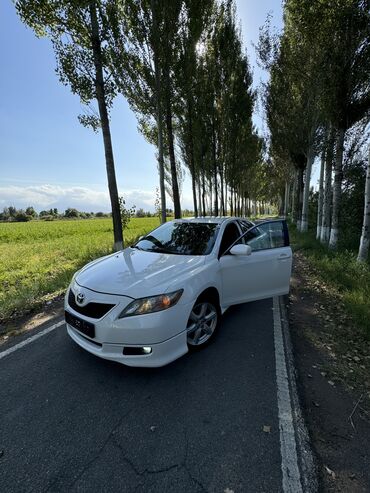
pixel 241 250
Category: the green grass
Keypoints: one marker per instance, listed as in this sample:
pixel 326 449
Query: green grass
pixel 38 259
pixel 350 278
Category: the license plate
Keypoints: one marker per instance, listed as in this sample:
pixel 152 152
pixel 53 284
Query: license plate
pixel 81 325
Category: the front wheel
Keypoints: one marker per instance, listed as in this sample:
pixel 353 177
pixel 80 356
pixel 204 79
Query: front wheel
pixel 202 323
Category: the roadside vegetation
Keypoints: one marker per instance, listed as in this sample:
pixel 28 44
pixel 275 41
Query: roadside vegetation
pixel 38 259
pixel 317 106
pixel 340 270
pixel 12 214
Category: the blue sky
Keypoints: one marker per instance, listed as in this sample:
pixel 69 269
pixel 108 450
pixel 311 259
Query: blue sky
pixel 47 159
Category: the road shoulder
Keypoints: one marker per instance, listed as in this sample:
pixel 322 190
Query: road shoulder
pixel 20 328
pixel 334 403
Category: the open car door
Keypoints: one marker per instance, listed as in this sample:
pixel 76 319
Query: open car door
pixel 265 272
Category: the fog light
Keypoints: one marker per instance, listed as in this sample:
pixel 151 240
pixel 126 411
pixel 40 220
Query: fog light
pixel 136 351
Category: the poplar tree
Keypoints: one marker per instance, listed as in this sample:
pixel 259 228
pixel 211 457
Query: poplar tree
pixel 75 28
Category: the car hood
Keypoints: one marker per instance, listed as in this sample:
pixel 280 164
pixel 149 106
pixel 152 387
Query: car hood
pixel 136 273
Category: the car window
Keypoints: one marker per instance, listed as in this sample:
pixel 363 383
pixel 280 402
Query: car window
pixel 266 236
pixel 230 235
pixel 180 238
pixel 245 225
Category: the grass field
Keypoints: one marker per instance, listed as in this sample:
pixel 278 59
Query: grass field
pixel 38 259
pixel 340 269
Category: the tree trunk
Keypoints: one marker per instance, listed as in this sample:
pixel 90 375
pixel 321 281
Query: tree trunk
pixel 321 197
pixel 200 196
pixel 298 198
pixel 325 229
pixel 171 153
pixel 306 190
pixel 222 193
pixel 210 196
pixel 363 252
pixel 294 197
pixel 194 196
pixel 214 167
pixel 286 199
pixel 203 195
pixel 337 189
pixel 104 119
pixel 191 152
pixel 158 97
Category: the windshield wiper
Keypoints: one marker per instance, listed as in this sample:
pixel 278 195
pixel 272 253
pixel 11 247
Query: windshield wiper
pixel 158 250
pixel 163 250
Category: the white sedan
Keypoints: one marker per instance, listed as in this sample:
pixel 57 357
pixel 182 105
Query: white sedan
pixel 149 304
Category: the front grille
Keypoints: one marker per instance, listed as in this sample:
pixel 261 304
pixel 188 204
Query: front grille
pixel 92 310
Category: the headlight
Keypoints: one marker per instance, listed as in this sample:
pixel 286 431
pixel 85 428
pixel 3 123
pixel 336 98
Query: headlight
pixel 151 304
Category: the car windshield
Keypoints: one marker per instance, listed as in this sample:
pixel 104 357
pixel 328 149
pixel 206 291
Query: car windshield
pixel 180 238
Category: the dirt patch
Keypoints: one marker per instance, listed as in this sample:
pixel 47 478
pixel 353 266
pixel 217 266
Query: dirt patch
pixel 20 324
pixel 333 364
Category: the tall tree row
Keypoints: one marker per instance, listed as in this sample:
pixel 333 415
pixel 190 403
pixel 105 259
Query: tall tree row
pixel 183 69
pixel 317 93
pixel 194 69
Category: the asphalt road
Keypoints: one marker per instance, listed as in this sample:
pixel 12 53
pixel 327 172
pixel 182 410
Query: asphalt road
pixel 72 422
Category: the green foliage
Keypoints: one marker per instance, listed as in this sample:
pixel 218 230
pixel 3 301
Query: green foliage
pixel 47 217
pixel 30 211
pixel 22 217
pixel 71 212
pixel 17 215
pixel 342 271
pixel 352 201
pixel 126 214
pixel 318 86
pixel 157 203
pixel 38 259
pixel 49 212
pixel 67 24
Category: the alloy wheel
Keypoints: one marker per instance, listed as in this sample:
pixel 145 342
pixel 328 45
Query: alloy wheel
pixel 202 323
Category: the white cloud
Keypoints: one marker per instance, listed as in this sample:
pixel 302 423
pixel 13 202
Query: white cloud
pixel 46 196
pixel 82 198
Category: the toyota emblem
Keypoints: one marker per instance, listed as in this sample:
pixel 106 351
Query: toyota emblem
pixel 80 298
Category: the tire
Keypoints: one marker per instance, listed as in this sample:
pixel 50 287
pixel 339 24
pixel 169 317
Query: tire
pixel 203 323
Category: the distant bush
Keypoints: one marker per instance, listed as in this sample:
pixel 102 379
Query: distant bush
pixel 71 212
pixel 22 217
pixel 30 211
pixel 47 217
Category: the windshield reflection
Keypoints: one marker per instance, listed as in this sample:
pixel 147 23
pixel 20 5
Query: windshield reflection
pixel 179 238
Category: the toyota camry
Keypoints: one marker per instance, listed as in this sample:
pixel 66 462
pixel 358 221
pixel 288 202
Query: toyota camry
pixel 151 303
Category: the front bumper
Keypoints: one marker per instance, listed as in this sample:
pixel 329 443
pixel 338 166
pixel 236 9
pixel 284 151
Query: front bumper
pixel 164 332
pixel 162 353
